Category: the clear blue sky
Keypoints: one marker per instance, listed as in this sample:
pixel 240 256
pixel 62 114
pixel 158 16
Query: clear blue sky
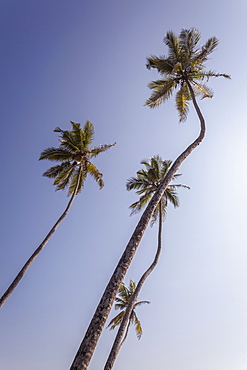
pixel 78 60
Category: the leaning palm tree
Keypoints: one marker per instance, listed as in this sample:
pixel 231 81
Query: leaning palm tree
pixel 122 301
pixel 183 69
pixel 74 154
pixel 146 183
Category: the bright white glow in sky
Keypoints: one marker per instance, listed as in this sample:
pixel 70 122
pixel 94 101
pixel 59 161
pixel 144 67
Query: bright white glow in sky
pixel 78 60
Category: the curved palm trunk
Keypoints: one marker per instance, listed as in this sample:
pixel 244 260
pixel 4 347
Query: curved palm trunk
pixel 87 347
pixel 21 273
pixel 117 342
pixel 125 336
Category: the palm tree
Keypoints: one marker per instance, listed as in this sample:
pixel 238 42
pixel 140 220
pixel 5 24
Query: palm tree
pixel 188 63
pixel 183 70
pixel 74 153
pixel 122 301
pixel 146 183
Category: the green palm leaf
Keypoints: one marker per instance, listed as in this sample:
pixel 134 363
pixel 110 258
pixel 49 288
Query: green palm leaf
pixel 203 90
pixel 116 320
pixel 78 135
pixel 163 65
pixel 188 41
pixel 94 172
pixel 63 179
pixel 66 139
pixel 88 133
pixel 100 149
pixel 54 171
pixel 162 91
pixel 56 154
pixel 138 326
pixel 182 102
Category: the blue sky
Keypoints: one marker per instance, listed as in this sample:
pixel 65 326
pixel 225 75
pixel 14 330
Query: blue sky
pixel 78 60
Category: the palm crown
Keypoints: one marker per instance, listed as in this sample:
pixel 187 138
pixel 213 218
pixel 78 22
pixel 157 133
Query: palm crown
pixel 184 67
pixel 74 153
pixel 147 182
pixel 124 296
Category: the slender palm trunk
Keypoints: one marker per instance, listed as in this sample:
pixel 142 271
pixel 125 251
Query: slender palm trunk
pixel 117 342
pixel 87 347
pixel 126 334
pixel 21 273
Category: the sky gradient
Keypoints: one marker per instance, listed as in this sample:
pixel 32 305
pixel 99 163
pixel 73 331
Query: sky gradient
pixel 85 60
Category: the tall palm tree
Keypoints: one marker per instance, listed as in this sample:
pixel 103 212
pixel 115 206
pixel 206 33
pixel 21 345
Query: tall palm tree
pixel 74 153
pixel 188 67
pixel 182 70
pixel 146 183
pixel 122 301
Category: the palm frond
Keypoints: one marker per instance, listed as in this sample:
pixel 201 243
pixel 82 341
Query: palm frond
pixel 162 91
pixel 123 291
pixel 141 302
pixel 210 46
pixel 121 300
pixel 135 183
pixel 182 102
pixel 116 320
pixel 132 288
pixel 163 65
pixel 88 133
pixel 54 171
pixel 202 90
pixel 198 60
pixel 172 197
pixel 121 306
pixel 171 40
pixel 208 74
pixel 142 202
pixel 164 168
pixel 138 326
pixel 56 154
pixel 188 41
pixel 63 179
pixel 66 139
pixel 94 172
pixel 100 149
pixel 78 134
pixel 179 186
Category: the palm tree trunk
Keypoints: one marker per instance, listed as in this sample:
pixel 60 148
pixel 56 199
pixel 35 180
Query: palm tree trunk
pixel 117 343
pixel 126 334
pixel 21 273
pixel 89 342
